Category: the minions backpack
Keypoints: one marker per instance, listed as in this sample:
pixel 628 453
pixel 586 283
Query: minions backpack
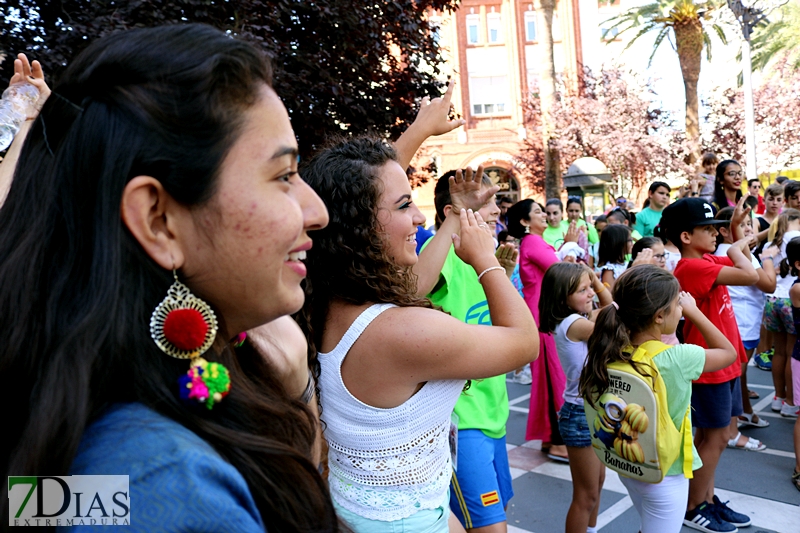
pixel 632 432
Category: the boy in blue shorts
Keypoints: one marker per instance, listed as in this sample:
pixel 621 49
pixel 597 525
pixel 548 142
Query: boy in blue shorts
pixel 716 396
pixel 481 484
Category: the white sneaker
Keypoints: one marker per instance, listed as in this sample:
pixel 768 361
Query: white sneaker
pixel 790 411
pixel 524 377
pixel 777 403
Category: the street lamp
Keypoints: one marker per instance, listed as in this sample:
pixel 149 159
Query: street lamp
pixel 750 13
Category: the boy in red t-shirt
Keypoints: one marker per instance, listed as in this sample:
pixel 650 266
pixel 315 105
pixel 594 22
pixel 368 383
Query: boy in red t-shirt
pixel 716 397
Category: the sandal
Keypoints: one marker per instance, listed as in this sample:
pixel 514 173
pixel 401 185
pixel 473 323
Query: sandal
pixel 753 394
pixel 752 445
pixel 796 479
pixel 746 420
pixel 559 458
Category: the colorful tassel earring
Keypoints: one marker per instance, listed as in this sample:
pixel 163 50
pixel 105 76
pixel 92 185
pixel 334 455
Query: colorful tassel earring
pixel 184 326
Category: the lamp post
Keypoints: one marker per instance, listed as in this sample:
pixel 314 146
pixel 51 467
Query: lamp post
pixel 750 13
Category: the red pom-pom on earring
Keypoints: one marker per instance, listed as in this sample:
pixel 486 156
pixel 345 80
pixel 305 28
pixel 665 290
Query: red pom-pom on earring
pixel 185 329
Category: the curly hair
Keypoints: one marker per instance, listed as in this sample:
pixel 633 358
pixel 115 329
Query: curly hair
pixel 349 261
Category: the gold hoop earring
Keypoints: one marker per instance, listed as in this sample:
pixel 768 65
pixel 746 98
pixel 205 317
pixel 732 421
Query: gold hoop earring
pixel 184 326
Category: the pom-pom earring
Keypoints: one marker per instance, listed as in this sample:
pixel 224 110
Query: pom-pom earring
pixel 184 326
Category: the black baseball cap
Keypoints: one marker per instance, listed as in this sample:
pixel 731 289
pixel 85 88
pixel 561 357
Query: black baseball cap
pixel 688 213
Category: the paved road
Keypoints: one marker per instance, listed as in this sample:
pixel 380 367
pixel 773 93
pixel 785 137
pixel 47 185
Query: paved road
pixel 756 483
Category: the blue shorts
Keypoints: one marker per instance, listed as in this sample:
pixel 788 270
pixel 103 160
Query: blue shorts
pixel 424 521
pixel 751 345
pixel 714 404
pixel 573 426
pixel 481 487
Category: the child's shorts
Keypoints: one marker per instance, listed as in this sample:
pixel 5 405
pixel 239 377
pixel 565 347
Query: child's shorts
pixel 714 404
pixel 751 345
pixel 573 426
pixel 481 486
pixel 778 315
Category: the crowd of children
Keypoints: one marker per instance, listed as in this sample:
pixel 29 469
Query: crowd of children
pixel 393 333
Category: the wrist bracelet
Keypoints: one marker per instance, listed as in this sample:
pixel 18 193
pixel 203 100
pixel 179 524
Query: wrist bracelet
pixel 309 392
pixel 602 288
pixel 489 270
pixel 768 257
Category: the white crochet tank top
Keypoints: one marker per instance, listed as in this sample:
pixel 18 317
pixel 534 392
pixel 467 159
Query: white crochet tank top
pixel 385 464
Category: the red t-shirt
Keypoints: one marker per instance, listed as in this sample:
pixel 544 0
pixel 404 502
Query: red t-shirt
pixel 697 277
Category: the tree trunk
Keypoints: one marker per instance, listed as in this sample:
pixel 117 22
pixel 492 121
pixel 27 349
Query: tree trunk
pixel 547 96
pixel 689 41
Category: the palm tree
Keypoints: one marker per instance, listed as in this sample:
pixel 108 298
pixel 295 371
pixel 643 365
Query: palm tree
pixel 547 96
pixel 682 20
pixel 779 39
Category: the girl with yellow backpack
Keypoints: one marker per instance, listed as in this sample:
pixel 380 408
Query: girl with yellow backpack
pixel 637 392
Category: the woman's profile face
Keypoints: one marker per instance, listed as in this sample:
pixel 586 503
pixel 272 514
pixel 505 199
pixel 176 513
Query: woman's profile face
pixel 398 215
pixel 244 248
pixel 538 219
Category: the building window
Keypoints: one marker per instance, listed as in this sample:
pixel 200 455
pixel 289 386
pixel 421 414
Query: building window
pixel 488 95
pixel 530 25
pixel 494 27
pixel 473 21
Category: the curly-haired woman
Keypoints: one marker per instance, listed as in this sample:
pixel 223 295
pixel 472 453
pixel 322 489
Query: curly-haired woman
pixel 392 367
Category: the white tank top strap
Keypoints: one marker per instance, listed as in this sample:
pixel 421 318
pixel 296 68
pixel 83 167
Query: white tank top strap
pixel 356 329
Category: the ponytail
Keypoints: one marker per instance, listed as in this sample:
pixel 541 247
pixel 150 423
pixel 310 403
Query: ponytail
pixel 778 227
pixel 606 343
pixel 639 294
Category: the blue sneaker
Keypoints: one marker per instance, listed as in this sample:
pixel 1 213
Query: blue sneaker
pixel 763 360
pixel 704 518
pixel 729 515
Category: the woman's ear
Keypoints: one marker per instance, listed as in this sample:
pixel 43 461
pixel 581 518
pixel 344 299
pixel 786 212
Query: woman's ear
pixel 147 211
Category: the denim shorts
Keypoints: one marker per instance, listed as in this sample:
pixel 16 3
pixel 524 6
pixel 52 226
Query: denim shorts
pixel 573 426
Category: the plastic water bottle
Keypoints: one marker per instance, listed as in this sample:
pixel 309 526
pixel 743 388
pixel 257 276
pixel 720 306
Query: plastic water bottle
pixel 14 105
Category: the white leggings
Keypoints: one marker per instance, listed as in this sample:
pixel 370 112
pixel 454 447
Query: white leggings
pixel 661 506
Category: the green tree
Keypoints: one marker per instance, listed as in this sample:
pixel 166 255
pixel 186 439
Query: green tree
pixel 340 66
pixel 778 39
pixel 682 21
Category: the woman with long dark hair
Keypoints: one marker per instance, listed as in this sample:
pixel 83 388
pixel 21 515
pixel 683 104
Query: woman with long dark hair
pixel 155 213
pixel 391 367
pixel 527 221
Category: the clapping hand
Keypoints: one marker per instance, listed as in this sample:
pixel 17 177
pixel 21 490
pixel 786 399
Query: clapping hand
pixel 465 190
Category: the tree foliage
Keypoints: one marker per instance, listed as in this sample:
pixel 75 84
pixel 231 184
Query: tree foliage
pixel 778 39
pixel 777 115
pixel 608 116
pixel 339 65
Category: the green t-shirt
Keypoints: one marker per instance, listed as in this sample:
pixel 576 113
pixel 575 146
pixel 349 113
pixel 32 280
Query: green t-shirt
pixel 554 236
pixel 646 221
pixel 591 233
pixel 679 366
pixel 484 405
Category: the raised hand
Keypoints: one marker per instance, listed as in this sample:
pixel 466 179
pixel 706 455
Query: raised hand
pixel 572 233
pixel 740 212
pixel 433 117
pixel 645 257
pixel 687 302
pixel 475 245
pixel 465 190
pixel 32 73
pixel 506 255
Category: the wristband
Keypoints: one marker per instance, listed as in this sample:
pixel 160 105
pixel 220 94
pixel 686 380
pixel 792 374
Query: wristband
pixel 489 270
pixel 602 288
pixel 768 257
pixel 309 392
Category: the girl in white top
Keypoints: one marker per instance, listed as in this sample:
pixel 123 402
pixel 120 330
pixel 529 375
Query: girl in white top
pixel 778 311
pixel 615 246
pixel 565 309
pixel 393 367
